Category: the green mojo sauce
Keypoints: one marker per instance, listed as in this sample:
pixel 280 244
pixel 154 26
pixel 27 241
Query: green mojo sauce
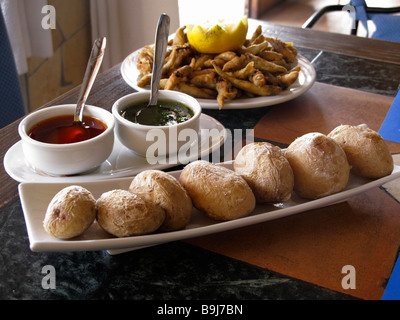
pixel 166 113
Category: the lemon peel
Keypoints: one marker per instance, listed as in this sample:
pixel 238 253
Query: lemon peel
pixel 217 38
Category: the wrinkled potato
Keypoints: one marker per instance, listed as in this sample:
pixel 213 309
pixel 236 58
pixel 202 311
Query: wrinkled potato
pixel 70 213
pixel 319 165
pixel 266 170
pixel 366 151
pixel 166 191
pixel 220 193
pixel 123 214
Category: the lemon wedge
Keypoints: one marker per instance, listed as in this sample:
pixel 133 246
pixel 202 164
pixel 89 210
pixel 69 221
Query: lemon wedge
pixel 217 38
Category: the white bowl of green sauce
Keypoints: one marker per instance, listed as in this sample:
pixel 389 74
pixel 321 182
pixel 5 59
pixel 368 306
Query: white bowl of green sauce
pixel 161 134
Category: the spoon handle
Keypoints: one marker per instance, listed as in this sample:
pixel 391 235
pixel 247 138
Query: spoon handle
pixel 161 43
pixel 95 60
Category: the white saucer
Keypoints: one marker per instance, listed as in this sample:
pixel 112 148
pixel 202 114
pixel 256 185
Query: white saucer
pixel 121 163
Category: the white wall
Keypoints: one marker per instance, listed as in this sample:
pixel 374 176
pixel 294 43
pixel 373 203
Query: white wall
pixel 131 24
pixel 142 16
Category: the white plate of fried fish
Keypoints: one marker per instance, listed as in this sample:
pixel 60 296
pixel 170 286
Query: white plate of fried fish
pixel 264 72
pixel 306 79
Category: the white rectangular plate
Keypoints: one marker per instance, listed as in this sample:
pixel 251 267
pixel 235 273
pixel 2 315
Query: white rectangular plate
pixel 35 198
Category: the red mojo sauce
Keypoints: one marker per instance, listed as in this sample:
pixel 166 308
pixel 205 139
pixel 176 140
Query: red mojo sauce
pixel 62 130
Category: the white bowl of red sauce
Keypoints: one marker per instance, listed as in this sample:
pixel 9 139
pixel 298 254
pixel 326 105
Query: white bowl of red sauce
pixel 50 142
pixel 158 137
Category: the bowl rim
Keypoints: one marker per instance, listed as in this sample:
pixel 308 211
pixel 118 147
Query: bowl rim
pixel 146 94
pixel 24 136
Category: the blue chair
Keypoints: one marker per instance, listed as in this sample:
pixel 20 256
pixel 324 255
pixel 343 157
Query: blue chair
pixel 11 101
pixel 387 24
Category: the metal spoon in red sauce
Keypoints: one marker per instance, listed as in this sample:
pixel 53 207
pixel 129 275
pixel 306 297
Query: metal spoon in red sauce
pixel 77 127
pixel 62 130
pixel 78 130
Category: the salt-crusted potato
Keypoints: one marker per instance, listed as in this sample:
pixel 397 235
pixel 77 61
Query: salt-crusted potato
pixel 123 214
pixel 71 211
pixel 166 191
pixel 319 165
pixel 220 193
pixel 266 170
pixel 366 151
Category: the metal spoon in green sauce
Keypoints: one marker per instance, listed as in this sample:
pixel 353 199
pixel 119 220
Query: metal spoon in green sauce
pixel 165 113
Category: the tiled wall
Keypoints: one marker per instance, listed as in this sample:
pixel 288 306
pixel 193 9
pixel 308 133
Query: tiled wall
pixel 49 78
